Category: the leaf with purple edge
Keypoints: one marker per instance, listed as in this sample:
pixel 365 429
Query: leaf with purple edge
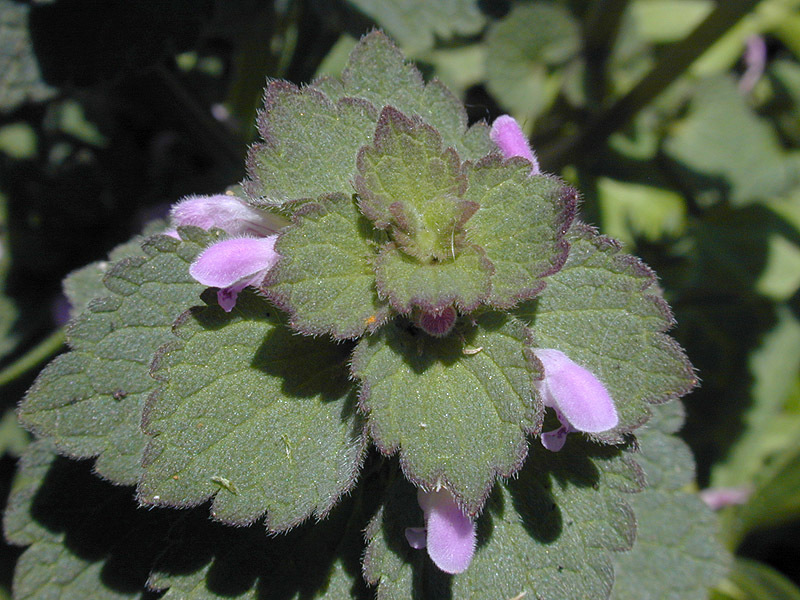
pixel 604 311
pixel 325 278
pixel 236 421
pixel 520 224
pixel 407 180
pixel 378 73
pixel 457 409
pixel 406 283
pixel 310 145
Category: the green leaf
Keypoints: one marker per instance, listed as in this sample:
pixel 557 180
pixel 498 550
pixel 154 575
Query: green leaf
pixel 520 224
pixel 378 73
pixel 407 283
pixel 21 79
pixel 676 531
pixel 408 181
pixel 742 164
pixel 548 533
pixel 631 210
pixel 235 420
pixel 522 48
pixel 456 409
pixel 90 400
pixel 310 145
pixel 325 278
pixel 752 580
pixel 13 438
pixel 772 420
pixel 88 539
pixel 416 24
pixel 86 283
pixel 603 310
pixel 85 537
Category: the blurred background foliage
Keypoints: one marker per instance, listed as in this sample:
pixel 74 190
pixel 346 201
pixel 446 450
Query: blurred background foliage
pixel 678 119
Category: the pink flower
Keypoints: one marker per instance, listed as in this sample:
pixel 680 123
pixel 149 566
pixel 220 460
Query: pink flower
pixel 579 399
pixel 227 212
pixel 231 264
pixel 508 136
pixel 449 534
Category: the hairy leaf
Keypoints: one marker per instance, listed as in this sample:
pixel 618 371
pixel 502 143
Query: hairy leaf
pixel 602 309
pixel 239 421
pixel 520 224
pixel 377 72
pixel 407 283
pixel 408 181
pixel 549 533
pixel 310 144
pixel 89 401
pixel 325 278
pixel 676 531
pixel 456 409
pixel 88 539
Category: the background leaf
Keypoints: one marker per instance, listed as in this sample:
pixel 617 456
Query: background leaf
pixel 677 553
pixel 415 24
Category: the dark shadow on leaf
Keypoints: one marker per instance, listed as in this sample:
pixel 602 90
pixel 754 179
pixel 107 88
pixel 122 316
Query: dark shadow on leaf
pixel 102 523
pixel 531 490
pixel 401 510
pixel 323 363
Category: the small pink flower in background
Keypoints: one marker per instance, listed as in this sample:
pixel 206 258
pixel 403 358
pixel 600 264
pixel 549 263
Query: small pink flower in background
pixel 449 534
pixel 579 399
pixel 755 61
pixel 231 264
pixel 720 497
pixel 508 136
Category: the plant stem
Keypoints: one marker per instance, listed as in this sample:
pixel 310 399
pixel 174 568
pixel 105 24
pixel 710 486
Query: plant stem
pixel 600 32
pixel 671 65
pixel 33 357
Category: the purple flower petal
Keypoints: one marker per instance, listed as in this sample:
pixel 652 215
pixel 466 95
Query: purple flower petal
pixel 239 260
pixel 439 323
pixel 555 440
pixel 508 136
pixel 417 537
pixel 227 212
pixel 578 396
pixel 451 533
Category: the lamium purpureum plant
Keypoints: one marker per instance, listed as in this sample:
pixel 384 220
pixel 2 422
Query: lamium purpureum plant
pixel 385 278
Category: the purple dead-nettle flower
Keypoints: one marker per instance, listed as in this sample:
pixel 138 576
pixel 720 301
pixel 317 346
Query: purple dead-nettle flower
pixel 437 323
pixel 227 212
pixel 449 534
pixel 235 263
pixel 508 136
pixel 579 399
pixel 232 265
